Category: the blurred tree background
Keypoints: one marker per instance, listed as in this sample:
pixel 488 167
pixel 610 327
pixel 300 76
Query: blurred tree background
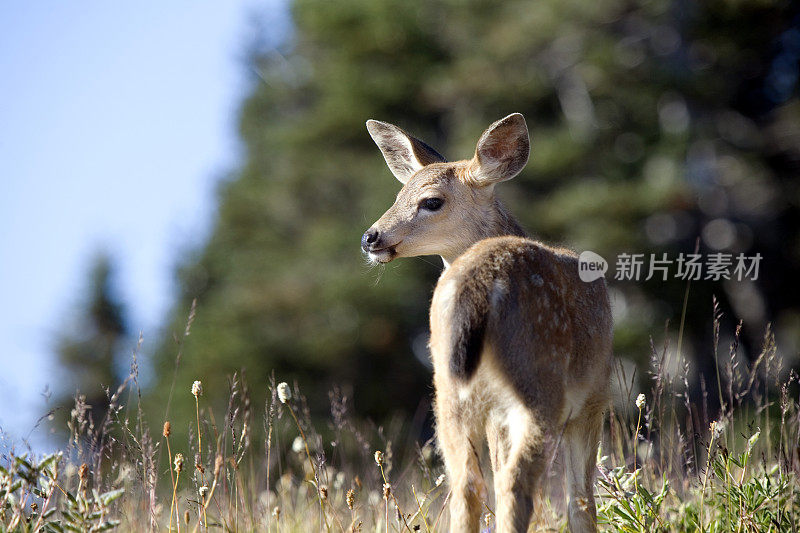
pixel 653 124
pixel 92 346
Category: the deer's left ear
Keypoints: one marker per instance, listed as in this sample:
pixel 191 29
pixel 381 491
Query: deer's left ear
pixel 404 154
pixel 502 151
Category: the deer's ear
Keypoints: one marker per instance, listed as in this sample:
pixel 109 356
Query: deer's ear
pixel 404 154
pixel 502 151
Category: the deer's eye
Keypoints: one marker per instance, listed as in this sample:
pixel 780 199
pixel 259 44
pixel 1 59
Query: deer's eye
pixel 431 204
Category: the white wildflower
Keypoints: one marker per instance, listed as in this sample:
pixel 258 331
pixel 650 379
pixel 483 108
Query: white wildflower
pixel 197 388
pixel 641 402
pixel 178 462
pixel 298 446
pixel 284 392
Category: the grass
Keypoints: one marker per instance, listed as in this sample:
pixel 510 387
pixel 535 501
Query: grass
pixel 664 465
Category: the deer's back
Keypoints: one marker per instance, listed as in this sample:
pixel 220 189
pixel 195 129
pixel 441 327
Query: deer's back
pixel 516 307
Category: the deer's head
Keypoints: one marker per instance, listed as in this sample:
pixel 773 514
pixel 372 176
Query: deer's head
pixel 443 207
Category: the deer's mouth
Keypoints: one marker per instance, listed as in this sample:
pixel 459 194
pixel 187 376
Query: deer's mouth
pixel 383 255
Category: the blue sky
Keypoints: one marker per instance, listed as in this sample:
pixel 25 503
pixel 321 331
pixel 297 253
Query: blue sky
pixel 116 121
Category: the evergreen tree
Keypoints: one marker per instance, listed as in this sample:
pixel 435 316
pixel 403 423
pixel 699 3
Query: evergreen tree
pixel 653 123
pixel 90 345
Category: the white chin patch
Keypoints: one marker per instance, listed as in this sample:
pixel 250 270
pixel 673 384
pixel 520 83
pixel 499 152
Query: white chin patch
pixel 381 256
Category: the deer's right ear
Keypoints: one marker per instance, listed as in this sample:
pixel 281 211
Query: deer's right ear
pixel 404 154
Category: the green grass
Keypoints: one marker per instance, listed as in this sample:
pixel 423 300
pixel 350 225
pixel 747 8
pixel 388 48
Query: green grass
pixel 663 465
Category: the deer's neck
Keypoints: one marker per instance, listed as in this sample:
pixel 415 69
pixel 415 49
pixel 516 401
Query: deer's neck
pixel 495 222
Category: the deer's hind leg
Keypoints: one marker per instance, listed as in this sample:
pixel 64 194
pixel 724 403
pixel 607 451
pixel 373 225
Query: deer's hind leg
pixel 581 438
pixel 460 441
pixel 518 460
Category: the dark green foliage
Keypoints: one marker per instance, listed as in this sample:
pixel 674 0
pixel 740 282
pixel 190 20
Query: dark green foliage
pixel 648 121
pixel 729 498
pixel 34 497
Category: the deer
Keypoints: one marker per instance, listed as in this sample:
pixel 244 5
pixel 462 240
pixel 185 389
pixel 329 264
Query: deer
pixel 521 347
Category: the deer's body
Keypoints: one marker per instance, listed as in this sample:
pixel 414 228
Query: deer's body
pixel 521 347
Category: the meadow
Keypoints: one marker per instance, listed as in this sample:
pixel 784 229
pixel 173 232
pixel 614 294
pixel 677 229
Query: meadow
pixel 665 463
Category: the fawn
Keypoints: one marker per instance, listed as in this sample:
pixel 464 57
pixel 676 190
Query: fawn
pixel 521 347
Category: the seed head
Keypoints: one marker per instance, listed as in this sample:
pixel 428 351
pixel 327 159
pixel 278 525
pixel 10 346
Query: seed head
pixel 351 499
pixel 276 512
pixel 203 493
pixel 187 517
pixel 752 441
pixel 178 463
pixel 716 428
pixel 284 392
pixel 641 402
pixel 167 429
pixel 379 458
pixel 440 480
pixel 218 465
pixel 323 492
pixel 197 388
pixel 387 490
pixel 83 473
pixel 198 465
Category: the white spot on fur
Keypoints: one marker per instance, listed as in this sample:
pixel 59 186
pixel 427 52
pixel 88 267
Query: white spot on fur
pixel 499 290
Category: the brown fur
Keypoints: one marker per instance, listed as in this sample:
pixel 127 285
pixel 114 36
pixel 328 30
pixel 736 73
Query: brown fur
pixel 521 347
pixel 544 366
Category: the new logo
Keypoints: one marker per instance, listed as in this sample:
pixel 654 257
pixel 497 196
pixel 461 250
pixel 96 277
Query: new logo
pixel 591 266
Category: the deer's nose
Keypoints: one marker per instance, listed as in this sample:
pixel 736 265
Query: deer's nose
pixel 370 237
